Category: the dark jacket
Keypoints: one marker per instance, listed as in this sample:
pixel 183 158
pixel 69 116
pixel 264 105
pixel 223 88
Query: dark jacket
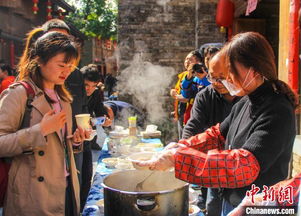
pixel 75 85
pixel 209 108
pixel 95 104
pixel 264 124
pixel 110 83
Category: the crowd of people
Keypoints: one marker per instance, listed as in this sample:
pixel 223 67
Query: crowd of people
pixel 236 124
pixel 241 129
pixel 49 157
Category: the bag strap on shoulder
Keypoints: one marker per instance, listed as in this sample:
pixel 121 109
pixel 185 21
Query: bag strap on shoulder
pixel 27 113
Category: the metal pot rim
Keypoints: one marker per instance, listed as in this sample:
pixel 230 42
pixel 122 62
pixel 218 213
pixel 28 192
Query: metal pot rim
pixel 144 193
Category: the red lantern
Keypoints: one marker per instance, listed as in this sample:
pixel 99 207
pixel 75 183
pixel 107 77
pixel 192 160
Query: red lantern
pixel 224 13
pixel 35 6
pixel 49 10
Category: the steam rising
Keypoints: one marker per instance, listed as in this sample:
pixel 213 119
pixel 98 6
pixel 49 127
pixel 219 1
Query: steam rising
pixel 162 2
pixel 148 83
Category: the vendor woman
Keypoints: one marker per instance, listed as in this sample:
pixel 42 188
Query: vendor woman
pixel 253 145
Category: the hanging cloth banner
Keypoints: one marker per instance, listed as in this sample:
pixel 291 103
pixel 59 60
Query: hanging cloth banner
pixel 252 4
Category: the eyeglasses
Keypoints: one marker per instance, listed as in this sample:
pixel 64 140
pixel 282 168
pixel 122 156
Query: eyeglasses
pixel 214 80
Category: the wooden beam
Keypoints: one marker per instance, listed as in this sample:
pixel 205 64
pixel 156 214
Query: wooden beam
pixel 283 40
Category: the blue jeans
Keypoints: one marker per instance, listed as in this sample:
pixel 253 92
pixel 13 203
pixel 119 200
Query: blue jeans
pixel 214 202
pixel 227 207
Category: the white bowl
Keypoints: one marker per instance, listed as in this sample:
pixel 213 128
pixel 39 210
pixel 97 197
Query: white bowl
pixel 141 156
pixel 110 162
pixel 193 210
pixel 118 128
pixel 124 166
pixel 124 149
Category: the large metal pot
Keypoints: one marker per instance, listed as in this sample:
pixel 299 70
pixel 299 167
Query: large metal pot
pixel 161 194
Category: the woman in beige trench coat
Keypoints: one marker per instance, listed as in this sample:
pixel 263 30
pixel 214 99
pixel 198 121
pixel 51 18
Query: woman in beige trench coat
pixel 38 181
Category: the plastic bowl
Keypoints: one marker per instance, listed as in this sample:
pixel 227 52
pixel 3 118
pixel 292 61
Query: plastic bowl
pixel 141 156
pixel 110 162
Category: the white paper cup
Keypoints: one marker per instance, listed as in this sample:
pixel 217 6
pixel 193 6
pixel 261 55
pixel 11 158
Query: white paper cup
pixel 83 121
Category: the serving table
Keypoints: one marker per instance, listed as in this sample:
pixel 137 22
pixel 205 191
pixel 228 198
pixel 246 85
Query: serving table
pixel 94 203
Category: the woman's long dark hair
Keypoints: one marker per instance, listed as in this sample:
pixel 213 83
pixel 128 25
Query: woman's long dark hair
pixel 45 48
pixel 251 49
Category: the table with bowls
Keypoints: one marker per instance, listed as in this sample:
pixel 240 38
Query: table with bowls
pixel 108 164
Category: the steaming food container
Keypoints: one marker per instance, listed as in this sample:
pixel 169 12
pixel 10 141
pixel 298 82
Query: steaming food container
pixel 161 194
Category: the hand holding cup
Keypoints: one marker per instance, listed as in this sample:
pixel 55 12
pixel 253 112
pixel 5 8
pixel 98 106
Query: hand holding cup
pixel 83 130
pixel 81 134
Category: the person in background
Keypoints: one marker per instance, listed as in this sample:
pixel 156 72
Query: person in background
pixel 96 109
pixel 180 102
pixel 209 52
pixel 31 38
pixel 45 181
pixel 110 83
pixel 211 106
pixel 100 84
pixel 57 25
pixel 101 69
pixel 253 145
pixel 5 76
pixel 95 104
pixel 194 81
pixel 119 111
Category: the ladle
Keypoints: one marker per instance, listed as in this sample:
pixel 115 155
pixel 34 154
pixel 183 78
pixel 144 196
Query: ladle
pixel 140 184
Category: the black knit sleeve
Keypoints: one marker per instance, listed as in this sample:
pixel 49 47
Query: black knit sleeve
pixel 273 136
pixel 198 121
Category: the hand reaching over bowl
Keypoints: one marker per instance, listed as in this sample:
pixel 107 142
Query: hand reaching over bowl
pixel 140 157
pixel 161 161
pixel 173 145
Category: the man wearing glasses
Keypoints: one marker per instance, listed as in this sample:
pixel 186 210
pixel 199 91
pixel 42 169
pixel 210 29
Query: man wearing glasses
pixel 212 105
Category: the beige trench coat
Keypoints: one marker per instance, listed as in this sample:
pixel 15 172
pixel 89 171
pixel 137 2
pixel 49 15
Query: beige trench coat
pixel 37 182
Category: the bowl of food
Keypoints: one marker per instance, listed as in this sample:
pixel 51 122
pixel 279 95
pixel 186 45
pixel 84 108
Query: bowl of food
pixel 124 149
pixel 193 210
pixel 110 162
pixel 124 166
pixel 139 157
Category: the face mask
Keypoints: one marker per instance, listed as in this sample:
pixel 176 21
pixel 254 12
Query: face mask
pixel 233 89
